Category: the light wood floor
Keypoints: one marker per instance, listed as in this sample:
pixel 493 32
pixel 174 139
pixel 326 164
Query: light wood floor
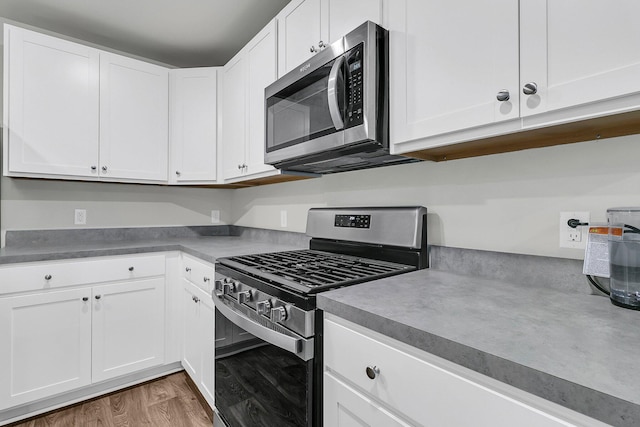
pixel 167 401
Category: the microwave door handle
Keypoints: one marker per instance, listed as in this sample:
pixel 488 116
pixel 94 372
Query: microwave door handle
pixel 332 94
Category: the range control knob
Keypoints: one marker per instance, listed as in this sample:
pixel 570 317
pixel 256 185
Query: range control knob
pixel 244 297
pixel 278 314
pixel 229 288
pixel 263 307
pixel 218 287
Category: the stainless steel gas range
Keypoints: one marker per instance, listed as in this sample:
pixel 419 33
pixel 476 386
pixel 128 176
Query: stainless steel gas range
pixel 275 377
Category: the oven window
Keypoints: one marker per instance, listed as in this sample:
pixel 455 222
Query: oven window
pixel 263 385
pixel 300 112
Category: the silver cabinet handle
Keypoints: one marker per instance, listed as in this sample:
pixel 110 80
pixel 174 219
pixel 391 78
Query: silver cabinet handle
pixel 321 45
pixel 93 168
pixel 195 299
pixel 104 169
pixel 206 279
pixel 98 296
pixel 187 269
pixel 530 88
pixel 48 277
pixel 313 49
pixel 372 372
pixel 503 95
pixel 177 173
pixel 239 166
pixel 131 268
pixel 85 299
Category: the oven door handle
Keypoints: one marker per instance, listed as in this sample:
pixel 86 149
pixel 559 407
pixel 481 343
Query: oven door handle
pixel 332 94
pixel 301 347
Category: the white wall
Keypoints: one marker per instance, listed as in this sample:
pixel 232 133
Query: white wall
pixel 506 202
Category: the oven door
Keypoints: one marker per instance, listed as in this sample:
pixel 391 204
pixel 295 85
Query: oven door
pixel 261 375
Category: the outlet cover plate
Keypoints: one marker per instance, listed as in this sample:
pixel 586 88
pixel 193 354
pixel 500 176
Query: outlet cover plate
pixel 574 238
pixel 80 217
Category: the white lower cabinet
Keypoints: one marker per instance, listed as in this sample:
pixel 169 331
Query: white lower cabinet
pixel 46 345
pixel 59 335
pixel 128 327
pixel 413 388
pixel 198 345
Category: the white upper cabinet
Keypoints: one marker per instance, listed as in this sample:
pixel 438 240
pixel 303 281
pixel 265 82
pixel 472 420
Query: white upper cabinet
pixel 193 129
pixel 449 63
pixel 244 79
pixel 134 109
pixel 578 53
pixel 306 26
pixel 299 33
pixel 50 105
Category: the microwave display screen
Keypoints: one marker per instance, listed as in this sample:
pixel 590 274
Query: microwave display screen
pixel 355 66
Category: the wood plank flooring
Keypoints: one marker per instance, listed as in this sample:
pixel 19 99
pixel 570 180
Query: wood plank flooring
pixel 167 401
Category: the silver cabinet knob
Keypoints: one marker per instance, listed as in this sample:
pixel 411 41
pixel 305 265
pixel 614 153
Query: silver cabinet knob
pixel 278 314
pixel 93 168
pixel 187 269
pixel 503 95
pixel 104 169
pixel 530 88
pixel 195 299
pixel 48 277
pixel 85 299
pixel 244 166
pixel 205 279
pixel 177 173
pixel 98 296
pixel 313 49
pixel 263 307
pixel 372 372
pixel 131 268
pixel 321 44
pixel 244 297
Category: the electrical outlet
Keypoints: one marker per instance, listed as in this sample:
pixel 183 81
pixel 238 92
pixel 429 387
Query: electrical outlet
pixel 215 217
pixel 283 219
pixel 80 217
pixel 575 238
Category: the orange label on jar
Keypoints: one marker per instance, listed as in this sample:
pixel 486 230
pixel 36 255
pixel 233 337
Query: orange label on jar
pixel 599 230
pixel 616 231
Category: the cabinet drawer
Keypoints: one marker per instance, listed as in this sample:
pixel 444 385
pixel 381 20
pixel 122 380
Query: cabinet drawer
pixel 423 392
pixel 198 272
pixel 51 275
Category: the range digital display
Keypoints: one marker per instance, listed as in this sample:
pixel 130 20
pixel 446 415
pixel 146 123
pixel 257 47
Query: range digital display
pixel 353 221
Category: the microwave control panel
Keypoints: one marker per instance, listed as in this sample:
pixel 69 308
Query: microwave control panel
pixel 354 80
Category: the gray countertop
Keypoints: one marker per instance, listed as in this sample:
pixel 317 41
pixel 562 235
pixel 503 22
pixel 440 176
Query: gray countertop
pixel 577 350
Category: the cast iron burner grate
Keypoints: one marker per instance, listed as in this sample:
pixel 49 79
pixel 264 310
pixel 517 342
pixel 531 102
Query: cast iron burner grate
pixel 319 269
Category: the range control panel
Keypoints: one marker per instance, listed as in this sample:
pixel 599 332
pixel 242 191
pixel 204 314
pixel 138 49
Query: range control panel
pixel 353 221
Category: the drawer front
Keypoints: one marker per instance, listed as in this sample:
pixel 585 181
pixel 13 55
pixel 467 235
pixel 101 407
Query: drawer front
pixel 198 272
pixel 57 274
pixel 419 390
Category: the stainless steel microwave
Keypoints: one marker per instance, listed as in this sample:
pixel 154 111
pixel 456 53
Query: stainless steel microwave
pixel 331 113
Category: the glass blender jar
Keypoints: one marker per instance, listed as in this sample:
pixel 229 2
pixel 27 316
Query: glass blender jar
pixel 624 256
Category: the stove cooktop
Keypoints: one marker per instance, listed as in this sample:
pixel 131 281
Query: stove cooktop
pixel 312 271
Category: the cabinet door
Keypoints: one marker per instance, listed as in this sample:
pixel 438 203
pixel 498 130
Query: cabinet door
pixel 234 104
pixel 261 72
pixel 346 15
pixel 578 52
pixel 300 31
pixel 448 61
pixel 128 327
pixel 51 104
pixel 46 345
pixel 190 332
pixel 134 111
pixel 345 407
pixel 193 97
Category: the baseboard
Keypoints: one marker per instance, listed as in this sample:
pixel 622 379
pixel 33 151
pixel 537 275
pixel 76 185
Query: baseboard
pixel 200 397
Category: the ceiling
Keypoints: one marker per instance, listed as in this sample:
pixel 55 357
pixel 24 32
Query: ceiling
pixel 183 33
